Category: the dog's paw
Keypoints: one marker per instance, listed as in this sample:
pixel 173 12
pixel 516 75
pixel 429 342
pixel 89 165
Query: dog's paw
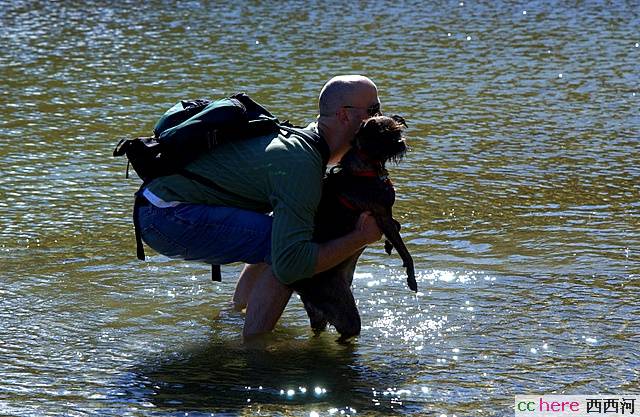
pixel 411 279
pixel 319 326
pixel 388 247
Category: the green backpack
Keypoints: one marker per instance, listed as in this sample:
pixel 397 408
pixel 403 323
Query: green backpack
pixel 191 128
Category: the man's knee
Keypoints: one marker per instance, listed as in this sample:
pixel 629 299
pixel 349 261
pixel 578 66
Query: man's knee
pixel 247 280
pixel 267 301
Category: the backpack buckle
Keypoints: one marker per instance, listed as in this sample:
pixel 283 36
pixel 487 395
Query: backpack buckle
pixel 212 138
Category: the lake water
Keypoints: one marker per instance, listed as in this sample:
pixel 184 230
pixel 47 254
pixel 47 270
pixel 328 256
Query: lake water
pixel 519 199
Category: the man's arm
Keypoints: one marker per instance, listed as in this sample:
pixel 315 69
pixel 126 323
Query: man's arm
pixel 333 252
pixel 296 183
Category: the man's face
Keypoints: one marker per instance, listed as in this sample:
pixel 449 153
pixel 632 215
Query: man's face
pixel 362 105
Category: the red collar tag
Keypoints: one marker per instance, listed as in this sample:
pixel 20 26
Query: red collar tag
pixel 346 203
pixel 367 173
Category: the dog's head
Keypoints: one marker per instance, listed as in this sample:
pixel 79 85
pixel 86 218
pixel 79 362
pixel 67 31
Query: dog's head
pixel 380 139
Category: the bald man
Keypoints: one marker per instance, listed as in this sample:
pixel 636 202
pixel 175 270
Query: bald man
pixel 276 173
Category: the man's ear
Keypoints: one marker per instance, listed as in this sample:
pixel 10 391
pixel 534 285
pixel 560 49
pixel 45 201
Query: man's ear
pixel 343 115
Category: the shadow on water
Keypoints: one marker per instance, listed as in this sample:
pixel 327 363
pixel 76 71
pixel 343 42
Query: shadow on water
pixel 228 377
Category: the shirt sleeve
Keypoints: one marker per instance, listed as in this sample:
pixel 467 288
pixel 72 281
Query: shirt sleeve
pixel 296 180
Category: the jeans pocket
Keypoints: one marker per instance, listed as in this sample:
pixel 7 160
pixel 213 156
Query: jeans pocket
pixel 162 243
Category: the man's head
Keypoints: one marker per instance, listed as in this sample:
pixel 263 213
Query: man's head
pixel 345 101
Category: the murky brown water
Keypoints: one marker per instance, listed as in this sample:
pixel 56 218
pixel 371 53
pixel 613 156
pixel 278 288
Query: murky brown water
pixel 520 201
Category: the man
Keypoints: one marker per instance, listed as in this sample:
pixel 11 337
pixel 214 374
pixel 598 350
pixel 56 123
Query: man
pixel 279 173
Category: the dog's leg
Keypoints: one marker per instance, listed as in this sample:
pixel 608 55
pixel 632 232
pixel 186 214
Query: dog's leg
pixel 311 291
pixel 388 226
pixel 388 246
pixel 346 318
pixel 327 298
pixel 317 321
pixel 349 323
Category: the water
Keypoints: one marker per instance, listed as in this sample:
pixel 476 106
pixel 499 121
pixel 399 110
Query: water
pixel 520 201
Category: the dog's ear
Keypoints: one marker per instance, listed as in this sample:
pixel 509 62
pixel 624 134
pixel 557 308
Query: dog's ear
pixel 380 138
pixel 400 120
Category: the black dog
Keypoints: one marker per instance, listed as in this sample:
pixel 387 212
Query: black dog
pixel 357 184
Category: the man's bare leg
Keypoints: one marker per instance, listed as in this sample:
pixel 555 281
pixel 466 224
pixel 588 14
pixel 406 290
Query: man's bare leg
pixel 266 302
pixel 247 280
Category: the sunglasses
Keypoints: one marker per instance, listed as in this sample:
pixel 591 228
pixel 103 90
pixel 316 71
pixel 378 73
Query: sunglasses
pixel 373 110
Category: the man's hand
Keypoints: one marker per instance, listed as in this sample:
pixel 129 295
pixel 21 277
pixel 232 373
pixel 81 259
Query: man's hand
pixel 368 228
pixel 335 251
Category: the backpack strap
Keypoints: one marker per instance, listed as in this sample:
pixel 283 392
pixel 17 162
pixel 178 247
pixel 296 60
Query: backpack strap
pixel 137 203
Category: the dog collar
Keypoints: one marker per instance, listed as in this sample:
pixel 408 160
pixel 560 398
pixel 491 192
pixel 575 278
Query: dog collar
pixel 343 200
pixel 371 173
pixel 367 173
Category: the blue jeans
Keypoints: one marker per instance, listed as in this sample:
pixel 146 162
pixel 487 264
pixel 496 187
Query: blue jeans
pixel 213 234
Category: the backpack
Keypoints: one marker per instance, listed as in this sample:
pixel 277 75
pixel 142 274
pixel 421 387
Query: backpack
pixel 193 127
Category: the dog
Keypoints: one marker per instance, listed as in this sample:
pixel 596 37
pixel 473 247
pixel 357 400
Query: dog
pixel 357 184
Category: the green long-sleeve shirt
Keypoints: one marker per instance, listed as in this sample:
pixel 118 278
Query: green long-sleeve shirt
pixel 275 173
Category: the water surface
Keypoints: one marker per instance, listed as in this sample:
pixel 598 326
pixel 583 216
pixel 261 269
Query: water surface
pixel 520 202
